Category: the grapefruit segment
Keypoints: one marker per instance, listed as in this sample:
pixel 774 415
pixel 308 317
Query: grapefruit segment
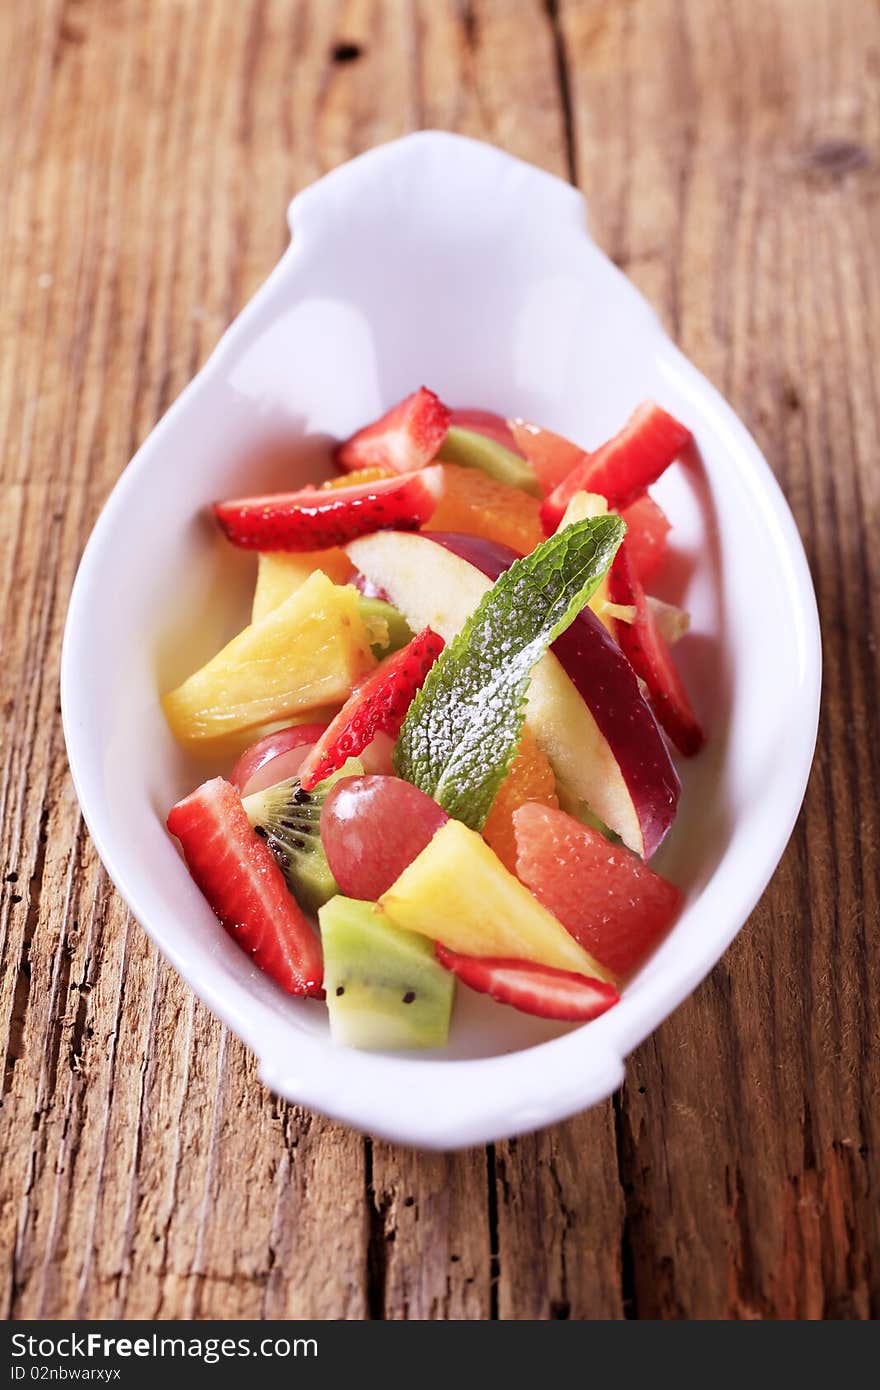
pixel 614 906
pixel 459 893
pixel 551 455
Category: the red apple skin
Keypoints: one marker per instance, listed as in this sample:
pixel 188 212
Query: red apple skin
pixel 609 687
pixel 607 684
pixel 491 558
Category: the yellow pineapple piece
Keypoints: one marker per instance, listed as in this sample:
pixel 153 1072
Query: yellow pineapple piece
pixel 458 892
pixel 581 506
pixel 355 479
pixel 279 575
pixel 226 748
pixel 309 651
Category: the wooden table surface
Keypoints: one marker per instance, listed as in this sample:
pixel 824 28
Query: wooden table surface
pixel 730 151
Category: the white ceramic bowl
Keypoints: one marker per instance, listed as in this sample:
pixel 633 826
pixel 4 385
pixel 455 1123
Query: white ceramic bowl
pixel 436 259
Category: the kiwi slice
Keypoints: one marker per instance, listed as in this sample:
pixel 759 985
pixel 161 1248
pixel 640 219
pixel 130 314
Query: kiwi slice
pixel 289 820
pixel 385 987
pixel 473 450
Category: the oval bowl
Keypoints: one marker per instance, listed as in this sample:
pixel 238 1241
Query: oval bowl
pixel 441 260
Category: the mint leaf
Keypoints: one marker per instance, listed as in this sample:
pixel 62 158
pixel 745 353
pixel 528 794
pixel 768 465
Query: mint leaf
pixel 463 728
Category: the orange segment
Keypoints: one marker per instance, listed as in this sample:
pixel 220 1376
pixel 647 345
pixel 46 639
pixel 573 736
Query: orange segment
pixel 530 779
pixel 358 478
pixel 478 505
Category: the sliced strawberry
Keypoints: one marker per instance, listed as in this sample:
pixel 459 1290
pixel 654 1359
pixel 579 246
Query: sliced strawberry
pixel 318 518
pixel 647 527
pixel 606 896
pixel 379 705
pixel 488 423
pixel 623 468
pixel 651 659
pixel 406 438
pixel 241 880
pixel 533 989
pixel 551 455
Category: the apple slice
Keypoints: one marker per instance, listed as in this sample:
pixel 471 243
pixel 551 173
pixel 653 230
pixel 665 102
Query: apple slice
pixel 585 707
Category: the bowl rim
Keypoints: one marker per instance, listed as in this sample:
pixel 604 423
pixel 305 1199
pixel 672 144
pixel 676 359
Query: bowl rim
pixel 593 1057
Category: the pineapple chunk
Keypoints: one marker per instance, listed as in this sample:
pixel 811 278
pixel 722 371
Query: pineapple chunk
pixel 279 575
pixel 581 506
pixel 458 892
pixel 226 748
pixel 310 651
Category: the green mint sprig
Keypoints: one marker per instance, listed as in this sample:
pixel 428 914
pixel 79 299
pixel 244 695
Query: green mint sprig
pixel 464 727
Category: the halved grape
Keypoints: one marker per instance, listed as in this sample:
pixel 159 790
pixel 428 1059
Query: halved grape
pixel 281 754
pixel 372 827
pixel 274 758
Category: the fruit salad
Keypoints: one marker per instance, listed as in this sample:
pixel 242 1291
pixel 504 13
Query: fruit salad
pixel 449 726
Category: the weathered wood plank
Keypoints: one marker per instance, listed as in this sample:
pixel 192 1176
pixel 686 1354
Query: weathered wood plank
pixel 560 1222
pixel 730 153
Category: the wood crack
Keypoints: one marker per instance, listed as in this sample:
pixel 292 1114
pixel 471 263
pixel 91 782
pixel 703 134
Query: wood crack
pixel 628 1296
pixel 492 1216
pixel 377 1239
pixel 566 99
pixel 18 1018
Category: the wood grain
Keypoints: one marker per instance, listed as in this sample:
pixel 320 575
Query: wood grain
pixel 730 152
